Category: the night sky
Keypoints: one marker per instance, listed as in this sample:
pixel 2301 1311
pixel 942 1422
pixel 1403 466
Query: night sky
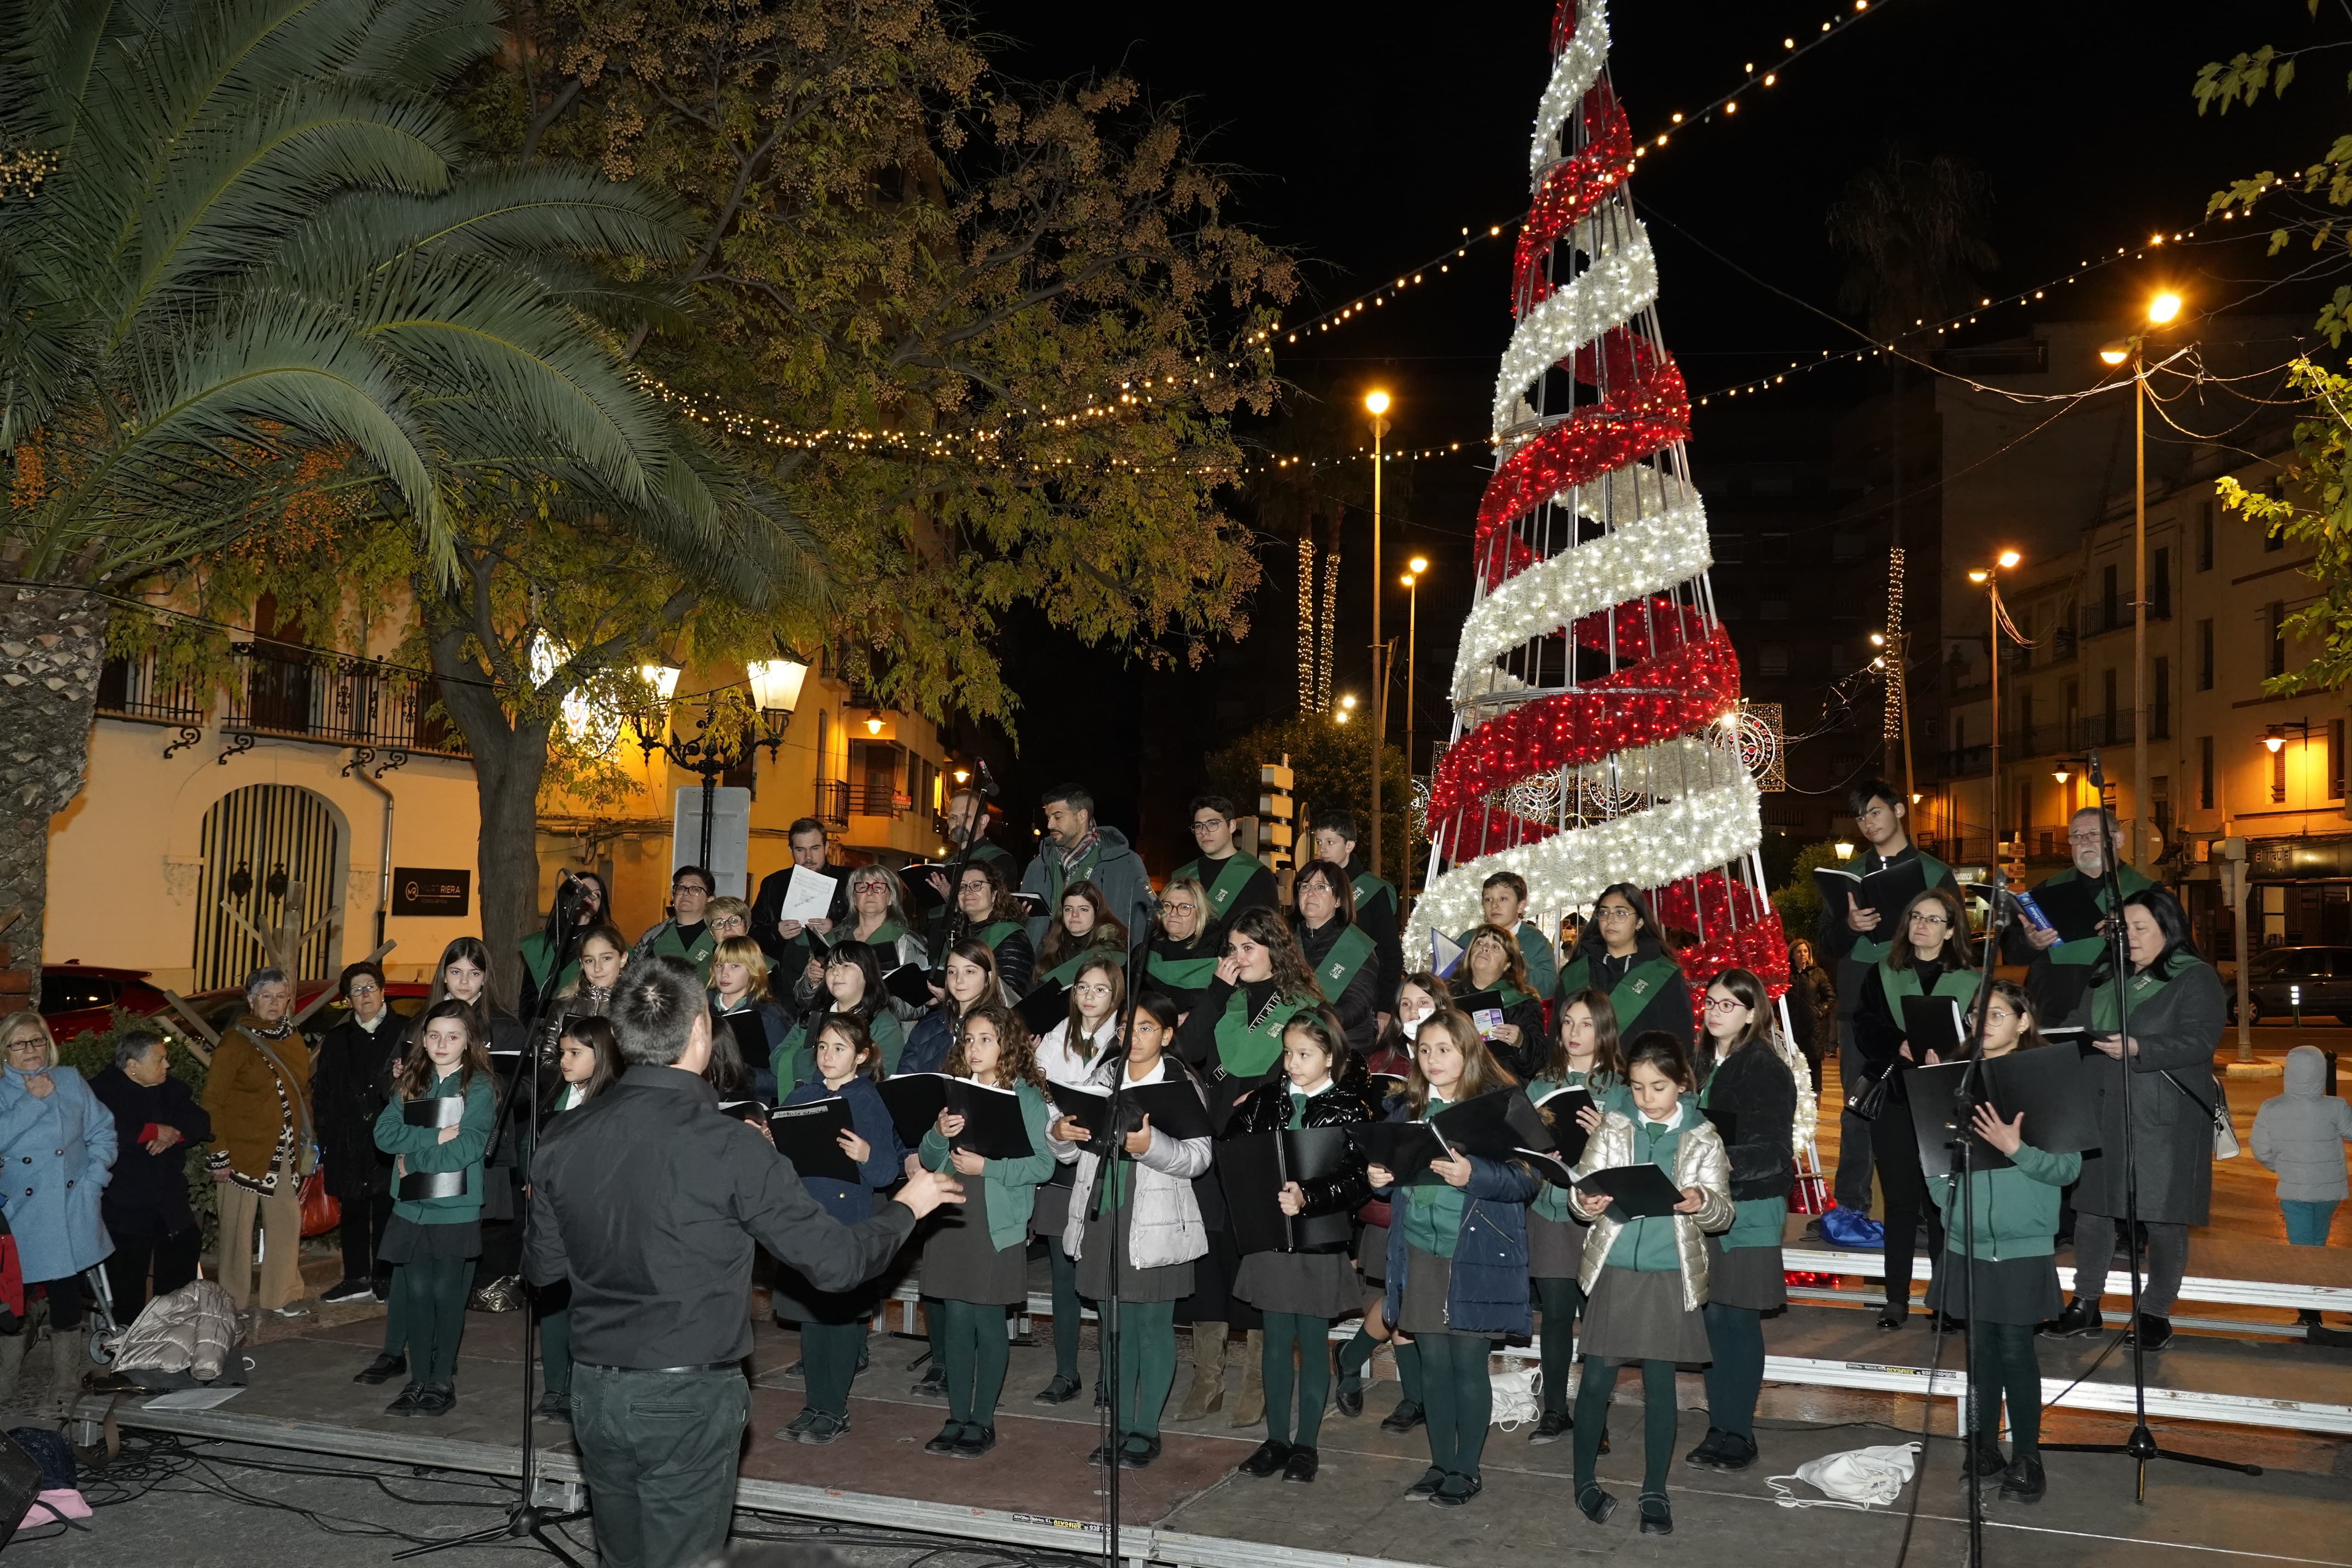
pixel 1367 137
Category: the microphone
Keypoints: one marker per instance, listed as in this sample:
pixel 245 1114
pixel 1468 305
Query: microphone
pixel 987 781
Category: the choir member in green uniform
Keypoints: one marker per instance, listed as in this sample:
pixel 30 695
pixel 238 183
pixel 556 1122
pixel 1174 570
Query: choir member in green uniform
pixel 2061 971
pixel 1377 906
pixel 1502 899
pixel 1235 882
pixel 1586 1055
pixel 1182 957
pixel 1622 951
pixel 1084 927
pixel 685 934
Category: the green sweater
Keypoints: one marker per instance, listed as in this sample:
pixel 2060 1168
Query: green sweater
pixel 1011 1184
pixel 793 1061
pixel 1552 1201
pixel 1648 1245
pixel 1434 1207
pixel 2014 1209
pixel 421 1151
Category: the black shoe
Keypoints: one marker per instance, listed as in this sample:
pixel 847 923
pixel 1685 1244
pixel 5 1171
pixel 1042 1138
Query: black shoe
pixel 405 1402
pixel 1456 1491
pixel 1348 1397
pixel 2080 1317
pixel 794 1376
pixel 976 1440
pixel 824 1428
pixel 1301 1465
pixel 1104 1454
pixel 933 1385
pixel 791 1431
pixel 1595 1504
pixel 1102 1395
pixel 1266 1459
pixel 1891 1318
pixel 945 1443
pixel 1657 1514
pixel 1403 1418
pixel 1138 1452
pixel 381 1368
pixel 553 1407
pixel 1737 1452
pixel 1981 1462
pixel 1554 1426
pixel 2309 1317
pixel 1709 1449
pixel 350 1290
pixel 1061 1391
pixel 439 1399
pixel 1431 1479
pixel 1944 1322
pixel 2152 1333
pixel 2023 1481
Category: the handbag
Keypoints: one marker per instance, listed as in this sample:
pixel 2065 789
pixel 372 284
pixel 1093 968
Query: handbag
pixel 322 1210
pixel 2225 1135
pixel 1869 1096
pixel 1859 1478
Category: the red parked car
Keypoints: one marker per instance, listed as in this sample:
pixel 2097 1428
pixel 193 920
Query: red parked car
pixel 76 998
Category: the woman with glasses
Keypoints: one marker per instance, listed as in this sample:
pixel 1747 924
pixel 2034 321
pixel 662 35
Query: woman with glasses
pixel 59 1143
pixel 540 977
pixel 1929 957
pixel 1622 953
pixel 348 1084
pixel 878 917
pixel 1343 955
pixel 1183 960
pixel 987 912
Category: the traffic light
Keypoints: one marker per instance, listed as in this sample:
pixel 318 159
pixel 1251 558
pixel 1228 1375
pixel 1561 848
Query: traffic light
pixel 1275 810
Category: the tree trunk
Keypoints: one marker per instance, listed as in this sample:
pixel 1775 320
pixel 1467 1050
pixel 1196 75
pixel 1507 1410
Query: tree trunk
pixel 510 761
pixel 52 647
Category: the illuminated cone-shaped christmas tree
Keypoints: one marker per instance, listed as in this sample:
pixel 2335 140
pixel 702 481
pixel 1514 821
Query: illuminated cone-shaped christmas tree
pixel 1596 733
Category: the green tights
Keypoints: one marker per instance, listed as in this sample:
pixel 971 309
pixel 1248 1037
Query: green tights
pixel 2004 1363
pixel 1561 1301
pixel 1064 1270
pixel 1311 1339
pixel 428 1306
pixel 973 1344
pixel 829 1353
pixel 1657 1419
pixel 1461 1399
pixel 1736 1375
pixel 1357 1354
pixel 1146 1363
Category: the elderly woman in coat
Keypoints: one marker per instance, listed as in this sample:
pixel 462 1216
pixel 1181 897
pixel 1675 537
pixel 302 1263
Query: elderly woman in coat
pixel 257 1093
pixel 58 1145
pixel 157 1125
pixel 2177 1015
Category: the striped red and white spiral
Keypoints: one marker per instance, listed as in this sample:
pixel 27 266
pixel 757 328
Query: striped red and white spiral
pixel 1595 692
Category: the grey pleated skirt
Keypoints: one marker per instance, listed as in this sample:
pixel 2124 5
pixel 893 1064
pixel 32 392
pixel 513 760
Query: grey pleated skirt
pixel 405 1241
pixel 2007 1290
pixel 1750 1277
pixel 1428 1278
pixel 1309 1284
pixel 1372 1253
pixel 1052 1213
pixel 1169 1282
pixel 958 1264
pixel 1555 1248
pixel 1635 1315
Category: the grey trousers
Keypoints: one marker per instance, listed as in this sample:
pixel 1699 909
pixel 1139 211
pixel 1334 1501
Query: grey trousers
pixel 2168 1259
pixel 658 1450
pixel 1850 1186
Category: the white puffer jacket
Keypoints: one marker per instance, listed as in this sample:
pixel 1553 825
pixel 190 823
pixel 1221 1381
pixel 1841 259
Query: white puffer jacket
pixel 1166 1226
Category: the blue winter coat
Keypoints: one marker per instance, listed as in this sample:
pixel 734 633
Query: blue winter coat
pixel 927 1046
pixel 885 1160
pixel 1489 1291
pixel 59 1154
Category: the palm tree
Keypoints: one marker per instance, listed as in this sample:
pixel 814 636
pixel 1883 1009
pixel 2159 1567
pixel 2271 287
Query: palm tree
pixel 253 236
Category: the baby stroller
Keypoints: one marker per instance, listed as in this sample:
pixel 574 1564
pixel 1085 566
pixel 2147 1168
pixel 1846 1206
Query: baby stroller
pixel 105 1335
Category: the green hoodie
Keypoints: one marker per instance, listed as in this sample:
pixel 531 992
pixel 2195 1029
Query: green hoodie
pixel 2015 1208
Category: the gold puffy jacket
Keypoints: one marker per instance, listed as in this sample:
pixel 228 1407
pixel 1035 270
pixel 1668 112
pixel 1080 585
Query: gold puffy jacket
pixel 1700 1162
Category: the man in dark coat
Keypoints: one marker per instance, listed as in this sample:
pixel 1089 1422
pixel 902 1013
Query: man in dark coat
pixel 349 1085
pixel 157 1123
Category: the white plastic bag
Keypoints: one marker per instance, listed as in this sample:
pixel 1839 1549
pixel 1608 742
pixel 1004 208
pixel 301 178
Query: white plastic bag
pixel 1859 1478
pixel 1516 1397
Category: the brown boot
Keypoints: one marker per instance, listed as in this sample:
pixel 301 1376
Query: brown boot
pixel 1207 1392
pixel 1249 1405
pixel 68 1362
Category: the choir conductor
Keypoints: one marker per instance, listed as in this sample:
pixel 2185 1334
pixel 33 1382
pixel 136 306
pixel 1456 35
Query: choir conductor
pixel 648 1201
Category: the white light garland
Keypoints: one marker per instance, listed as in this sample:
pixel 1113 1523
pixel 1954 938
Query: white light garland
pixel 1637 559
pixel 1572 76
pixel 1702 831
pixel 1620 279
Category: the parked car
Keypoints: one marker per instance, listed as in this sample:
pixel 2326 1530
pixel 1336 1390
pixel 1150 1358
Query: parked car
pixel 2321 977
pixel 76 998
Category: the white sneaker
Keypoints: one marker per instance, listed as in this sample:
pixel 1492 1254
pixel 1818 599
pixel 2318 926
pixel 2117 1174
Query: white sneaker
pixel 291 1310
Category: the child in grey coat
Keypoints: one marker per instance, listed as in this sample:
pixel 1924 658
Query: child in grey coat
pixel 2301 1135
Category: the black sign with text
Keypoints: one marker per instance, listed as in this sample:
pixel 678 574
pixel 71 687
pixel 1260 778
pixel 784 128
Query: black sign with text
pixel 430 890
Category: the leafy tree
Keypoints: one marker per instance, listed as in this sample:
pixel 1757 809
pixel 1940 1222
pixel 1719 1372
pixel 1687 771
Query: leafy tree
pixel 2321 472
pixel 1798 901
pixel 1331 768
pixel 247 273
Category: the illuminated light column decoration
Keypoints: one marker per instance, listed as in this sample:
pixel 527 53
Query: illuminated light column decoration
pixel 1307 703
pixel 1594 677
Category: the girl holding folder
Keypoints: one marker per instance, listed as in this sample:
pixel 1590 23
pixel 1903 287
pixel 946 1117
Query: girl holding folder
pixel 1082 925
pixel 1645 1279
pixel 1458 1263
pixel 977 1263
pixel 1151 1193
pixel 1744 1077
pixel 833 1325
pixel 435 1126
pixel 1070 1054
pixel 1302 1293
pixel 1584 1054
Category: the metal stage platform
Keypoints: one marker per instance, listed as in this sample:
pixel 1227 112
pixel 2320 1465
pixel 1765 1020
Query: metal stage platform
pixel 1190 1509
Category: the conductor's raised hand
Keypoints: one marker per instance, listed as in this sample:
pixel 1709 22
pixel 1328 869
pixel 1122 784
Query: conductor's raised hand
pixel 1453 1170
pixel 1139 1142
pixel 926 1190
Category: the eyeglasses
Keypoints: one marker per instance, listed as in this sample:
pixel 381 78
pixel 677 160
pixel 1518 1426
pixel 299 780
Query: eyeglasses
pixel 1094 990
pixel 1613 912
pixel 682 890
pixel 1725 1005
pixel 1921 917
pixel 365 988
pixel 1208 824
pixel 30 1043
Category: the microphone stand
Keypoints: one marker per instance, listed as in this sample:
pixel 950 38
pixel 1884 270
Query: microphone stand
pixel 525 1520
pixel 1106 1314
pixel 2141 1445
pixel 1963 1148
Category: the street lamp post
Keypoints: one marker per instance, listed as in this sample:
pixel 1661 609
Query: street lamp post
pixel 2161 311
pixel 1377 405
pixel 775 691
pixel 1991 577
pixel 1414 569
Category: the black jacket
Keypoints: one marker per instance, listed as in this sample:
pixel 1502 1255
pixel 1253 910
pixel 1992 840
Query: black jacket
pixel 1354 1008
pixel 1669 1008
pixel 350 1082
pixel 148 1195
pixel 650 1201
pixel 1378 919
pixel 1267 1110
pixel 767 906
pixel 1755 1085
